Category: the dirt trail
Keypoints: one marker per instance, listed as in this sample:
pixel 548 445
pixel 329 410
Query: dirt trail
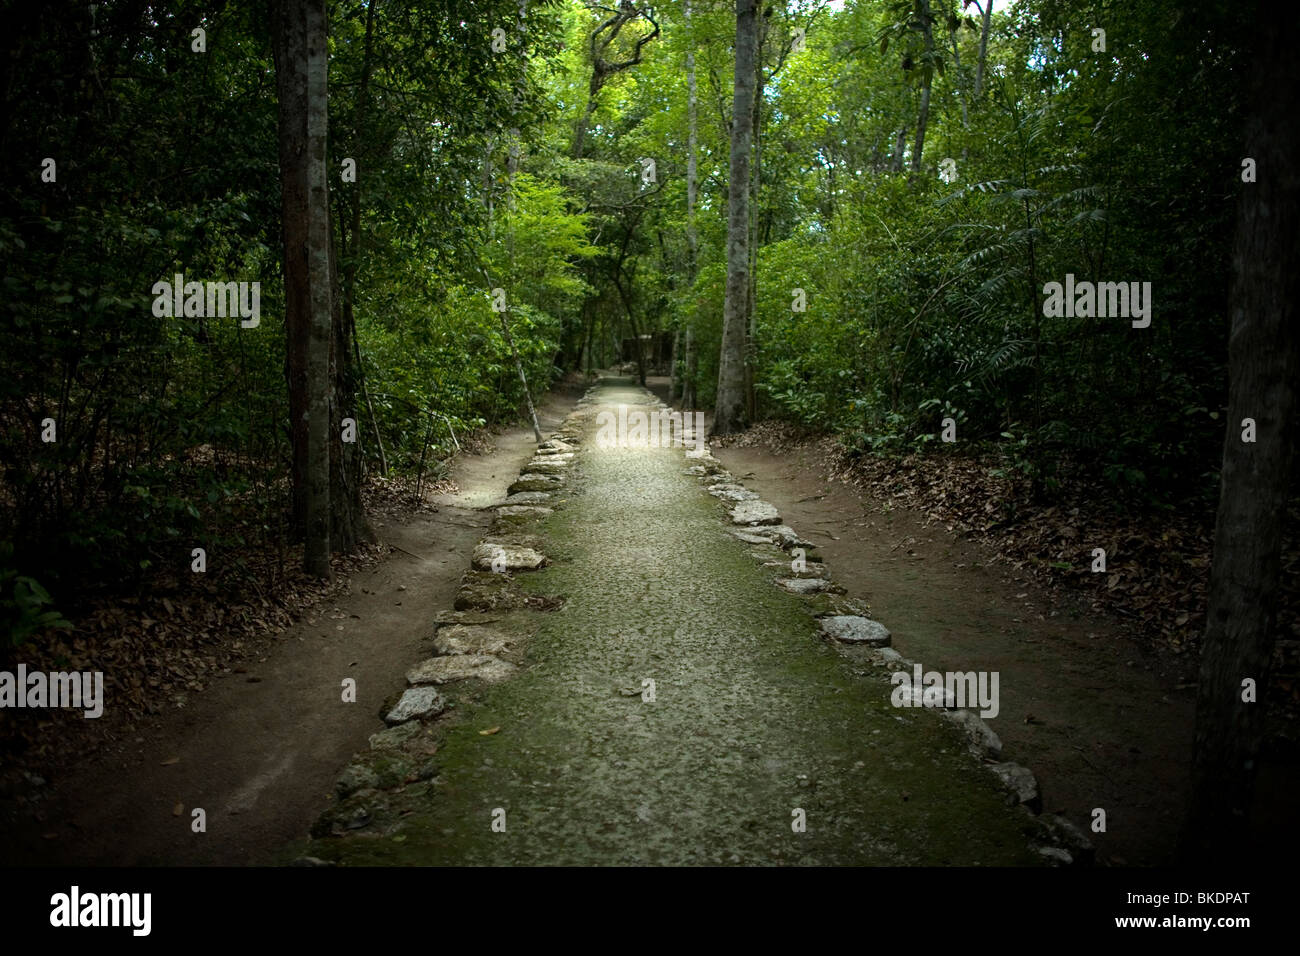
pixel 1082 705
pixel 259 751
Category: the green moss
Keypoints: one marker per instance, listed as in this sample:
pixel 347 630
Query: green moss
pixel 754 716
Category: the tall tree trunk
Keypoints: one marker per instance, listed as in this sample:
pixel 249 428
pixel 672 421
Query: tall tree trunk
pixel 301 71
pixel 984 47
pixel 755 186
pixel 637 348
pixel 1264 369
pixel 490 204
pixel 521 90
pixel 900 144
pixel 290 50
pixel 729 411
pixel 584 353
pixel 927 77
pixel 692 189
pixel 672 366
pixel 956 65
pixel 512 169
pixel 348 524
pixel 352 250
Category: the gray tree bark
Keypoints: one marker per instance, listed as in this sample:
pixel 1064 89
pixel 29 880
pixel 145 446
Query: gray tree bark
pixel 301 71
pixel 927 78
pixel 692 191
pixel 729 411
pixel 984 47
pixel 900 144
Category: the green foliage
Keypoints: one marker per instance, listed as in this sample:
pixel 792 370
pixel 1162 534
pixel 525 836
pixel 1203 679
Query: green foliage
pixel 174 431
pixel 923 296
pixel 23 602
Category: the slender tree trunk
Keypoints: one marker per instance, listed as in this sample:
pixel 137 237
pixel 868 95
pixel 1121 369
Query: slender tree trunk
pixel 637 348
pixel 491 209
pixel 984 48
pixel 348 524
pixel 489 187
pixel 672 366
pixel 900 143
pixel 956 65
pixel 927 77
pixel 300 32
pixel 291 70
pixel 692 188
pixel 692 369
pixel 585 362
pixel 755 186
pixel 290 45
pixel 580 133
pixel 320 377
pixel 521 89
pixel 1038 484
pixel 512 169
pixel 1264 369
pixel 729 411
pixel 352 251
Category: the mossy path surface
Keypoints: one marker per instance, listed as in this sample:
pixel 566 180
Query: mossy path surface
pixel 755 721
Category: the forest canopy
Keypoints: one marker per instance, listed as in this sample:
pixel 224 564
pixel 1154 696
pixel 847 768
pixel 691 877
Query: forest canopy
pixel 920 173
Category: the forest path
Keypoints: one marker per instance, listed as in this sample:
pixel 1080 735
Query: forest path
pixel 952 604
pixel 258 751
pixel 754 719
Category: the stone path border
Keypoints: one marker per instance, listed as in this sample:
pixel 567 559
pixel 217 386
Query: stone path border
pixel 844 622
pixel 471 643
pixel 474 641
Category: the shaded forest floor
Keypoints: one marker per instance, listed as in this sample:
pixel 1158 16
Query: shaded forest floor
pixel 659 692
pixel 1097 678
pixel 1157 564
pixel 1156 583
pixel 252 718
pixel 1098 671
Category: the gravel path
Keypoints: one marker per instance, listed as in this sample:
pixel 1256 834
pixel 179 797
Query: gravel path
pixel 756 723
